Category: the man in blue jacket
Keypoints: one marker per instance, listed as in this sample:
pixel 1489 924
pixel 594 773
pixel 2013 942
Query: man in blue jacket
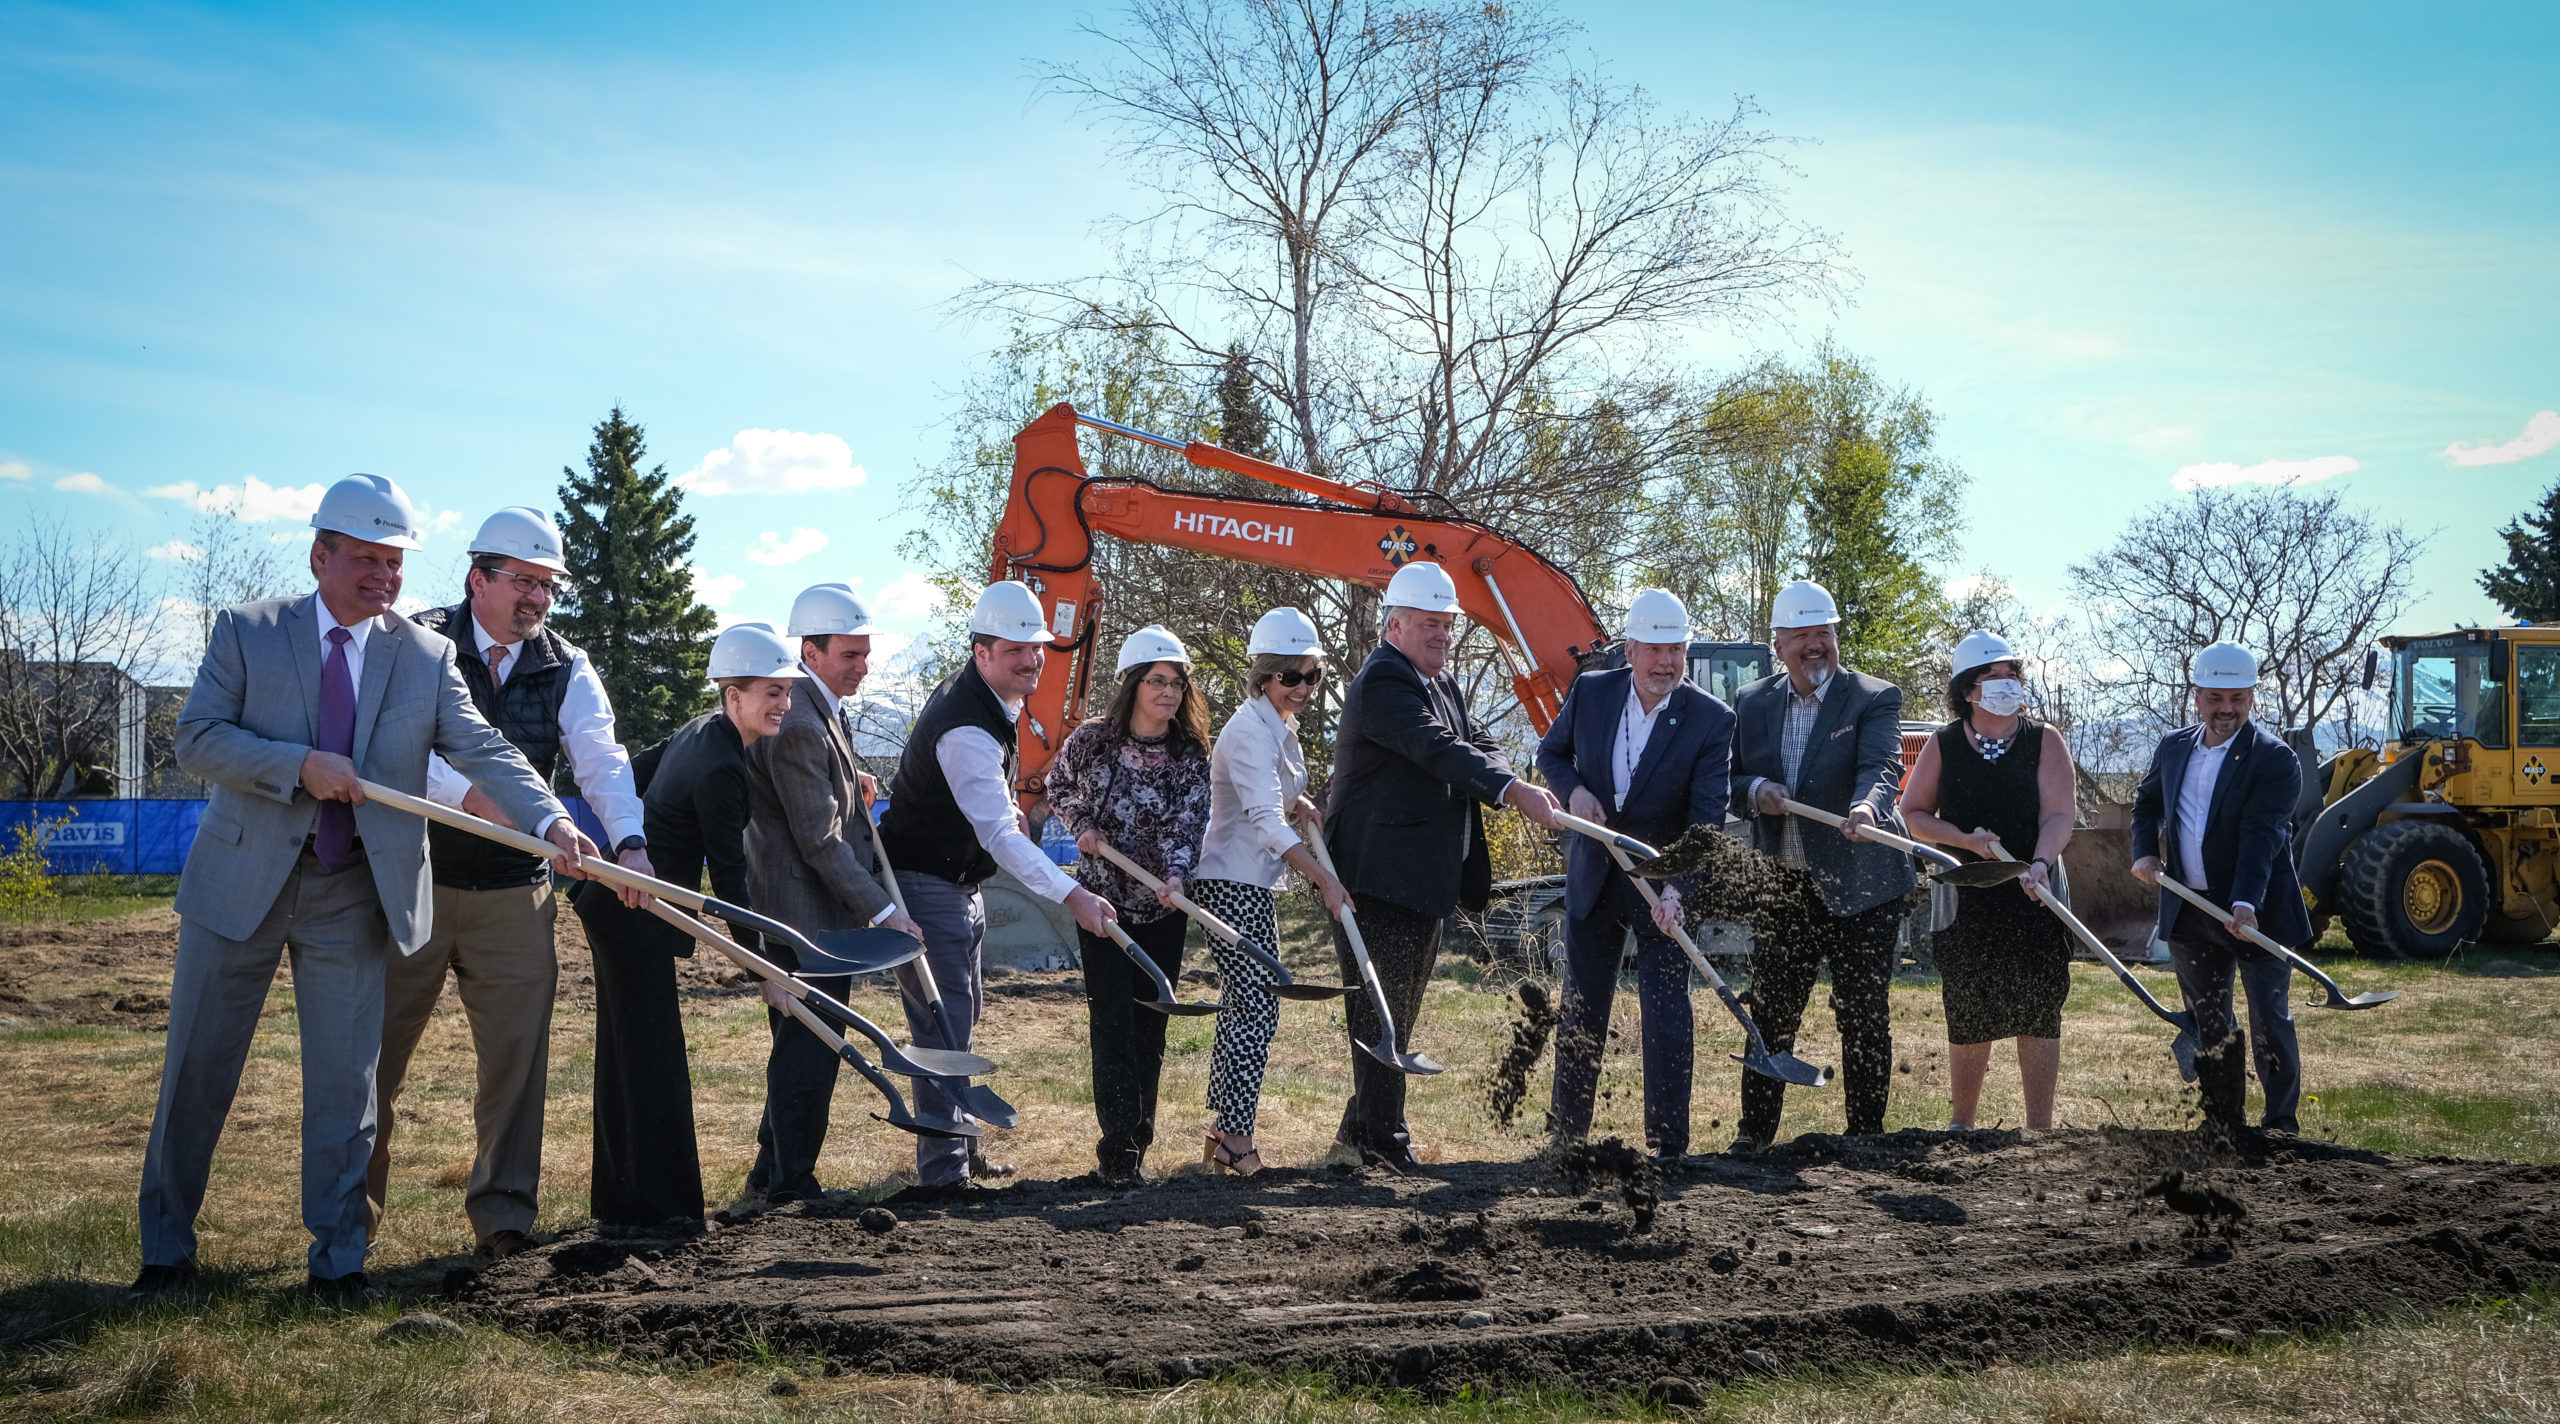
pixel 1640 749
pixel 2216 811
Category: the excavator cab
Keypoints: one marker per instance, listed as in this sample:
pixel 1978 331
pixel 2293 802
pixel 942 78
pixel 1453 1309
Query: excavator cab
pixel 1723 669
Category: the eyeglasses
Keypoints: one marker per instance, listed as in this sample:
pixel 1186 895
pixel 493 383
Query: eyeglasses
pixel 1293 677
pixel 1164 684
pixel 526 584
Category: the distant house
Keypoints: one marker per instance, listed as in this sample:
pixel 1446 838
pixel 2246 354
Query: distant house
pixel 123 746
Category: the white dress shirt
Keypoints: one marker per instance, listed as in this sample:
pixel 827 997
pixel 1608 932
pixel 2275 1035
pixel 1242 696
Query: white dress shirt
pixel 1256 773
pixel 973 765
pixel 596 759
pixel 1635 728
pixel 355 643
pixel 2195 804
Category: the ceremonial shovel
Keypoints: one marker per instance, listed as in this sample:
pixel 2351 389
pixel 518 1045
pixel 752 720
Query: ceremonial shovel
pixel 2183 1047
pixel 914 1062
pixel 1755 1054
pixel 1384 1050
pixel 1284 987
pixel 1942 866
pixel 979 1100
pixel 2337 997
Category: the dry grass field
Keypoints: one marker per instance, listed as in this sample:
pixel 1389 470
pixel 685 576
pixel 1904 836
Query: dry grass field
pixel 2457 1067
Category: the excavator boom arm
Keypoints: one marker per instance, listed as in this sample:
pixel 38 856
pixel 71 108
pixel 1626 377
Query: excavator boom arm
pixel 1534 610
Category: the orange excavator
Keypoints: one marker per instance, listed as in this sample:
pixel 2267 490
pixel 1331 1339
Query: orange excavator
pixel 1357 533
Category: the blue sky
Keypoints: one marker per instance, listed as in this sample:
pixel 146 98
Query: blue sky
pixel 279 243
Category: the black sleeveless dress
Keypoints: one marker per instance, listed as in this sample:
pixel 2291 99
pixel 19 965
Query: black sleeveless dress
pixel 2005 964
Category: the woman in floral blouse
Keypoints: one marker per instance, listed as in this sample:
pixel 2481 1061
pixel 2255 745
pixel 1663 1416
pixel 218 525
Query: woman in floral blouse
pixel 1137 776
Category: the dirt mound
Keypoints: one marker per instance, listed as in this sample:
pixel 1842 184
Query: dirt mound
pixel 1915 1249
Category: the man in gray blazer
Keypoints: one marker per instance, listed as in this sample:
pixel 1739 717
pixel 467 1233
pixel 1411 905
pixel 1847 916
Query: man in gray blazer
pixel 295 700
pixel 812 863
pixel 1832 739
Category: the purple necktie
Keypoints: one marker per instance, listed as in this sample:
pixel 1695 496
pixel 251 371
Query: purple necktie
pixel 335 837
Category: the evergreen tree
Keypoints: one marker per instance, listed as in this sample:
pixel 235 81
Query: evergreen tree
pixel 1243 425
pixel 2527 585
pixel 628 596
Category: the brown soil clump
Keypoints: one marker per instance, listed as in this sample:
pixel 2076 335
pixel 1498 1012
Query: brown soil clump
pixel 1912 1250
pixel 1510 1080
pixel 1610 1162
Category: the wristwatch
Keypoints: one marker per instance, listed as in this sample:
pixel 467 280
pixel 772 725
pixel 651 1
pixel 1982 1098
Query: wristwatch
pixel 630 843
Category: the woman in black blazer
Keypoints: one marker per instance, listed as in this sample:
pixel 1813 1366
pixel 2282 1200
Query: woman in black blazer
pixel 648 1172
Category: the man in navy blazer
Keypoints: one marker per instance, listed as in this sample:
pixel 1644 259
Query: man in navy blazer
pixel 2216 811
pixel 1640 749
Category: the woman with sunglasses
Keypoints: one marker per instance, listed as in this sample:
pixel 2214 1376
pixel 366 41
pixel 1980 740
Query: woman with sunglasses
pixel 1138 777
pixel 1257 781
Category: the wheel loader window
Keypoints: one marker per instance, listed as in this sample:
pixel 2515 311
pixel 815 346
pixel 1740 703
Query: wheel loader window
pixel 2441 689
pixel 2538 696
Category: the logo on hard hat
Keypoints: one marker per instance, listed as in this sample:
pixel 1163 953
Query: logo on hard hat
pixel 1398 546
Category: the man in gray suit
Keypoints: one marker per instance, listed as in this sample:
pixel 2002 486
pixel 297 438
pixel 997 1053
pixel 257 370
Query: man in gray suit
pixel 1832 739
pixel 295 700
pixel 812 864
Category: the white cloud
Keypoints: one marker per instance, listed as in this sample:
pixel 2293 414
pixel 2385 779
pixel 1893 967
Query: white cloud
pixel 775 462
pixel 1959 589
pixel 440 522
pixel 176 551
pixel 2265 472
pixel 2541 433
pixel 910 595
pixel 773 549
pixel 252 501
pixel 715 590
pixel 81 483
pixel 14 470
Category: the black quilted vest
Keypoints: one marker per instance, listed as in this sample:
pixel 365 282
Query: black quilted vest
pixel 924 829
pixel 526 711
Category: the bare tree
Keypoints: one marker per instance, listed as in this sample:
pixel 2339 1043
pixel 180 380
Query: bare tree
pixel 223 562
pixel 76 617
pixel 2299 579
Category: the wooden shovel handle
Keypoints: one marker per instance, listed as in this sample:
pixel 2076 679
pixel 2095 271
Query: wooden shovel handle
pixel 2253 934
pixel 603 870
pixel 1184 903
pixel 1877 834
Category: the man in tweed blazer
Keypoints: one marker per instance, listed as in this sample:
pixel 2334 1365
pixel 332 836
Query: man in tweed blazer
pixel 813 865
pixel 295 700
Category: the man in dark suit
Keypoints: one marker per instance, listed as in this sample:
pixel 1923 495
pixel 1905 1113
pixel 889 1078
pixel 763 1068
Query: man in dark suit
pixel 1404 823
pixel 813 866
pixel 2215 810
pixel 1640 749
pixel 1832 739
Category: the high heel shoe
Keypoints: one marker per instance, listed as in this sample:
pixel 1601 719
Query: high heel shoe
pixel 1221 1156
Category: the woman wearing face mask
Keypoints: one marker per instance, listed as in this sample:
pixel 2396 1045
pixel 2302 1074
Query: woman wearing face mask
pixel 1995 779
pixel 1257 781
pixel 1138 777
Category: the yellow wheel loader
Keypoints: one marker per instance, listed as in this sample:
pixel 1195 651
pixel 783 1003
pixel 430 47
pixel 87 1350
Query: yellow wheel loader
pixel 2450 833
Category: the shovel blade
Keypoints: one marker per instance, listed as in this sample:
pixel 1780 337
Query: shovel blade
pixel 983 1104
pixel 2373 1000
pixel 934 1063
pixel 930 1126
pixel 1175 1008
pixel 1785 1067
pixel 1308 993
pixel 857 951
pixel 1978 873
pixel 2183 1048
pixel 1421 1065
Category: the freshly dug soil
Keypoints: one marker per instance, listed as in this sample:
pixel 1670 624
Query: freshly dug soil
pixel 1916 1249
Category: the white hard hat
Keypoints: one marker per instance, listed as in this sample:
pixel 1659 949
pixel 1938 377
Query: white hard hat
pixel 752 649
pixel 1803 604
pixel 1284 630
pixel 827 608
pixel 1658 616
pixel 1154 643
pixel 520 532
pixel 2225 665
pixel 1980 649
pixel 1010 611
pixel 1425 587
pixel 373 509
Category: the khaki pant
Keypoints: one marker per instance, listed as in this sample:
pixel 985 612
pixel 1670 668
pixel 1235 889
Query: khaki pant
pixel 497 945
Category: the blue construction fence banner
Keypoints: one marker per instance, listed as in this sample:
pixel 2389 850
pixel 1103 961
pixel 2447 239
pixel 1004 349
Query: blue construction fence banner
pixel 106 837
pixel 151 837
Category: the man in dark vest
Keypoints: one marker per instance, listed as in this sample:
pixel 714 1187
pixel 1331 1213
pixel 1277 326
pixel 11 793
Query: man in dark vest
pixel 493 906
pixel 952 821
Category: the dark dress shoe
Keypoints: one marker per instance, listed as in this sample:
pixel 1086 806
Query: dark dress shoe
pixel 504 1244
pixel 349 1289
pixel 1745 1146
pixel 979 1166
pixel 1396 1152
pixel 156 1279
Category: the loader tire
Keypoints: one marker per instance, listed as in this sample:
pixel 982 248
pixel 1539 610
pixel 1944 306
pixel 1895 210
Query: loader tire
pixel 2412 888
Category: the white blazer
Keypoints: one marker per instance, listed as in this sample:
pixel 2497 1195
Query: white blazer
pixel 1256 773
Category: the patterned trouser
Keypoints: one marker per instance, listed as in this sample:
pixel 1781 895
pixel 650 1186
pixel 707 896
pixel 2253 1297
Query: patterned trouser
pixel 1252 1012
